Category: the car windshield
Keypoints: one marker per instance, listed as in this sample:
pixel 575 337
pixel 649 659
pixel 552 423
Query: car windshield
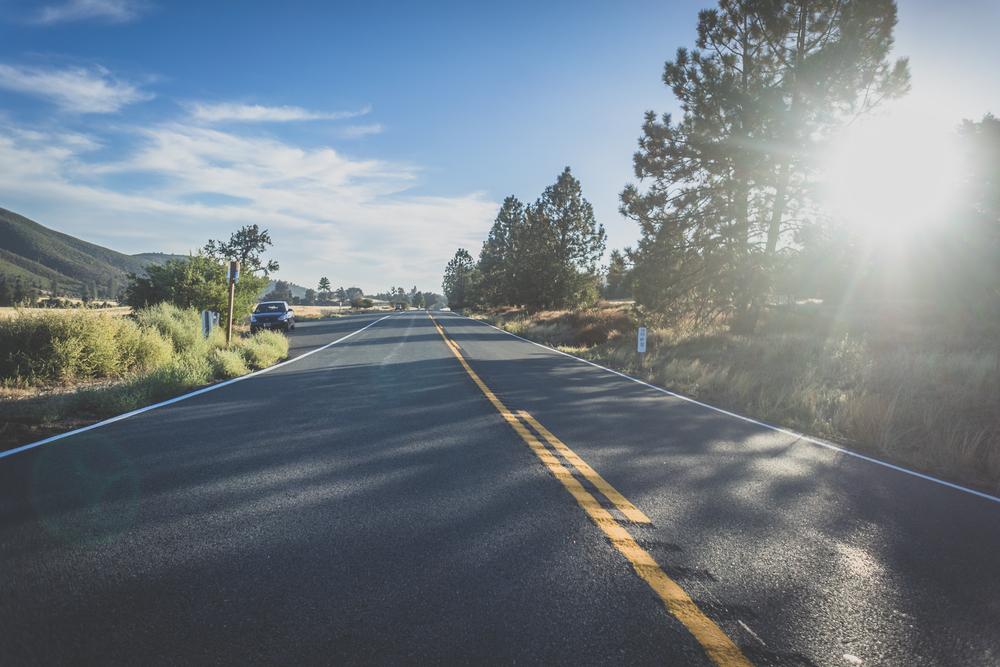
pixel 269 308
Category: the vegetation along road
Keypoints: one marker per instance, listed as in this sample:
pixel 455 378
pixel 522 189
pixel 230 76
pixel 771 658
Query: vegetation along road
pixel 430 489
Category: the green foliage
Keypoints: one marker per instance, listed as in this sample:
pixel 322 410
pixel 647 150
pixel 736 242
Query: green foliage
pixel 619 278
pixel 246 245
pixel 263 349
pixel 767 81
pixel 140 348
pixel 197 282
pixel 15 292
pixel 564 244
pixel 461 281
pixel 503 278
pixel 49 347
pixel 181 327
pixel 541 256
pixel 228 363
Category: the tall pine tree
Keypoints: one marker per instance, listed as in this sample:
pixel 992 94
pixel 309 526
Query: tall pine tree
pixel 503 283
pixel 461 280
pixel 561 247
pixel 727 183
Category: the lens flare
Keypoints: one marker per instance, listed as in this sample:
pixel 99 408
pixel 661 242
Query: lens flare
pixel 891 176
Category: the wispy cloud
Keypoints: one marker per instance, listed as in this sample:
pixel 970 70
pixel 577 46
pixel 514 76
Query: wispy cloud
pixel 353 219
pixel 256 113
pixel 358 131
pixel 76 89
pixel 111 11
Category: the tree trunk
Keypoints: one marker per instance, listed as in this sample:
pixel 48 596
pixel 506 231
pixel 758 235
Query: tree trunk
pixel 784 174
pixel 744 319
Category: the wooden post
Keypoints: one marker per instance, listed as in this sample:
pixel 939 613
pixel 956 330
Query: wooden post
pixel 234 273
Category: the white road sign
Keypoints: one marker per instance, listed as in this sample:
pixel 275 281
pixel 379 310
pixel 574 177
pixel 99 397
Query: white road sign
pixel 641 343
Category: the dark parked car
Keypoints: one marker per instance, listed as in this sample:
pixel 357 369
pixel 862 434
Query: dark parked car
pixel 272 315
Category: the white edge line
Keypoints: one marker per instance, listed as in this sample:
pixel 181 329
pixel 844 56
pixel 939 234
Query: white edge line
pixel 779 429
pixel 177 399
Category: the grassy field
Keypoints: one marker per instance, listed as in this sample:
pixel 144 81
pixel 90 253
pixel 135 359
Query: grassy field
pixel 319 312
pixel 916 392
pixel 7 312
pixel 61 370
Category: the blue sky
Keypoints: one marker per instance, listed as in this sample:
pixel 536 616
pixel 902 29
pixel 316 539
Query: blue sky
pixel 371 138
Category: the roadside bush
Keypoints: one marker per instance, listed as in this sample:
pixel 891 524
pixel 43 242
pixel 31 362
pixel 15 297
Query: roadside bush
pixel 49 347
pixel 141 349
pixel 182 327
pixel 228 364
pixel 263 349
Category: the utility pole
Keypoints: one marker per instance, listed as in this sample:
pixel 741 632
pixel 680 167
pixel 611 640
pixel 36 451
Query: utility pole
pixel 234 275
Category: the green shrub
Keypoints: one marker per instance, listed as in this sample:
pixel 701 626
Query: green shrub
pixel 263 349
pixel 228 363
pixel 49 347
pixel 141 349
pixel 184 372
pixel 182 327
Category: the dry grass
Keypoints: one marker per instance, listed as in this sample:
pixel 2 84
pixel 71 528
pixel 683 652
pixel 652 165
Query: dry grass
pixel 319 312
pixel 7 312
pixel 914 391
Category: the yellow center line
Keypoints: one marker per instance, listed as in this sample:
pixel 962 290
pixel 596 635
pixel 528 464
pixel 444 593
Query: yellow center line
pixel 631 512
pixel 719 647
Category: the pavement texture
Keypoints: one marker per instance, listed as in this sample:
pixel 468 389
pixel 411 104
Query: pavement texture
pixel 367 504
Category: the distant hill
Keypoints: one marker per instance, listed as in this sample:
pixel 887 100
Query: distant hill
pixel 148 258
pixel 44 258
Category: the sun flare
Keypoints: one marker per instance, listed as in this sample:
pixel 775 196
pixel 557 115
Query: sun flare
pixel 892 175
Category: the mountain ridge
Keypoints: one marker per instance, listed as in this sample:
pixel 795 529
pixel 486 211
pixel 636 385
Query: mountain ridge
pixel 43 259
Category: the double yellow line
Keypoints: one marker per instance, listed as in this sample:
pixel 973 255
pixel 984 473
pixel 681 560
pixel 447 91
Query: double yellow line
pixel 719 647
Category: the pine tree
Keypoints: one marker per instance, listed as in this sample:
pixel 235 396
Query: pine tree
pixel 765 83
pixel 324 287
pixel 561 245
pixel 617 276
pixel 461 280
pixel 498 261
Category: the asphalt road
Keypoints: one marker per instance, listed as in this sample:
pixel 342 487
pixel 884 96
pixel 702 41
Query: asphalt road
pixel 370 503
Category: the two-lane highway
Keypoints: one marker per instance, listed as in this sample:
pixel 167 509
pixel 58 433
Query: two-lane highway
pixel 436 491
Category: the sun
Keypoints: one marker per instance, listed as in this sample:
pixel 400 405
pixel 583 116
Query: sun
pixel 892 176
